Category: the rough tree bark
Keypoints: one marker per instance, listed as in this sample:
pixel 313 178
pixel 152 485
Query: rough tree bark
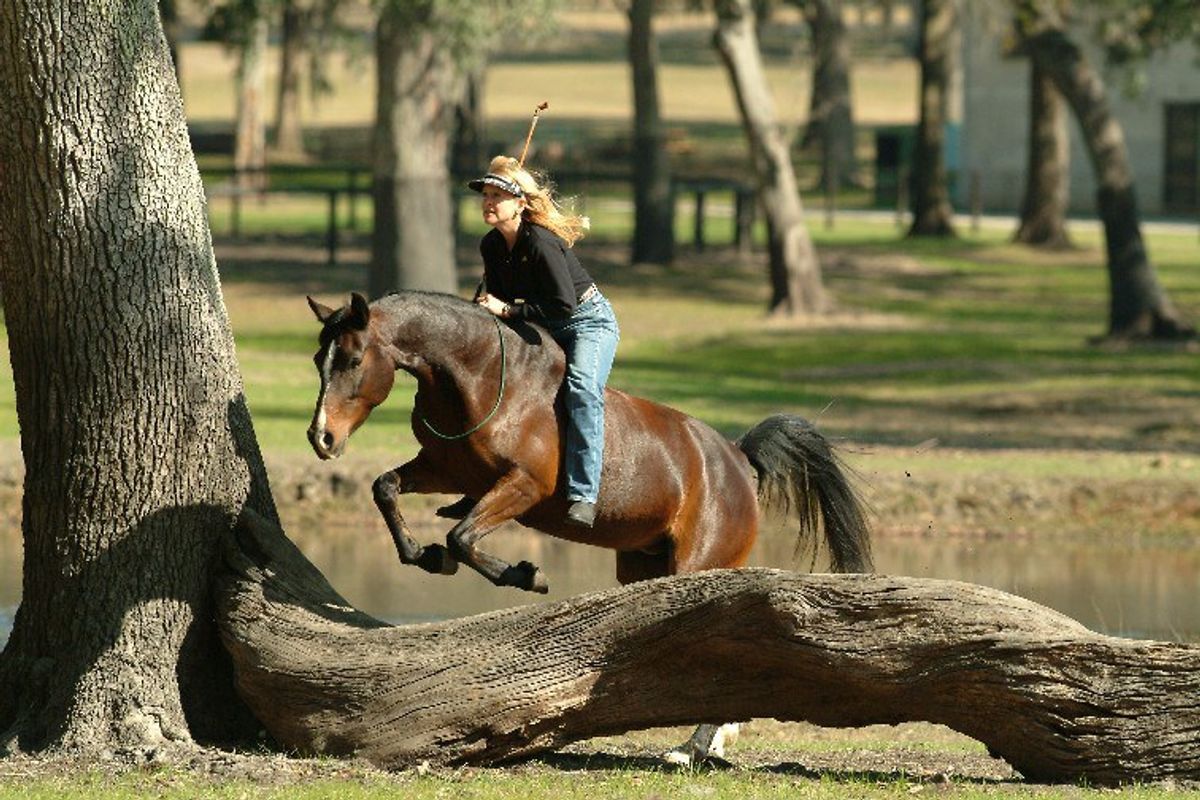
pixel 830 113
pixel 795 272
pixel 138 447
pixel 1043 221
pixel 653 201
pixel 929 188
pixel 419 87
pixel 1139 308
pixel 1059 702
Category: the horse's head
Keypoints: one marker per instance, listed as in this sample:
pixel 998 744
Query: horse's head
pixel 356 374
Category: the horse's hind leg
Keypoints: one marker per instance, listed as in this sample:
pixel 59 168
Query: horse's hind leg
pixel 708 741
pixel 410 477
pixel 512 496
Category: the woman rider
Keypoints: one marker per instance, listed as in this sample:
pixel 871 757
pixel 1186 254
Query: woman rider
pixel 531 273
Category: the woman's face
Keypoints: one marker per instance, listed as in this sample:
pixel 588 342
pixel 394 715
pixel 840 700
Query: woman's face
pixel 500 207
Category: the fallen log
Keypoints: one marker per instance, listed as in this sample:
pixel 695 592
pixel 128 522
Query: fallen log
pixel 1057 701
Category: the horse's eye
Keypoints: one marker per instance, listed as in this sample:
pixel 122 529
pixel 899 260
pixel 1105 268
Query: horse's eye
pixel 355 362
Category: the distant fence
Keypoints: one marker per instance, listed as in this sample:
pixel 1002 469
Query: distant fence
pixel 345 184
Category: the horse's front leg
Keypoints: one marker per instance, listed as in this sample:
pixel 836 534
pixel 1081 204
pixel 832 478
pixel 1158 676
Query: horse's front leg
pixel 512 496
pixel 413 476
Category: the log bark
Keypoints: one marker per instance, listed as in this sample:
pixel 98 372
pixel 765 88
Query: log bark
pixel 1059 702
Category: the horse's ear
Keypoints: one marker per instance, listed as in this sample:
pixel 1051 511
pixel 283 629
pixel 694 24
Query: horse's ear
pixel 323 312
pixel 360 312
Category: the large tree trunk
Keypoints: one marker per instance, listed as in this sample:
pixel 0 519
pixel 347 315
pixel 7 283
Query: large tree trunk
pixel 139 452
pixel 796 285
pixel 419 88
pixel 1057 701
pixel 250 134
pixel 1138 305
pixel 1043 220
pixel 289 132
pixel 830 114
pixel 929 187
pixel 653 201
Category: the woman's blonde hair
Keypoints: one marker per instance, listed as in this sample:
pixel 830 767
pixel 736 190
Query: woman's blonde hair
pixel 541 207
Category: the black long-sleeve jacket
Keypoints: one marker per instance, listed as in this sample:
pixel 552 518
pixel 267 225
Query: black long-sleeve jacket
pixel 540 277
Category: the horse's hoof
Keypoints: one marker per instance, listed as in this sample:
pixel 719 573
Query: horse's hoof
pixel 437 559
pixel 538 582
pixel 525 576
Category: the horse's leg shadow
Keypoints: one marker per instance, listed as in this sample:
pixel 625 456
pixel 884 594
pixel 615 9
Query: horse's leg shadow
pixel 387 488
pixel 512 496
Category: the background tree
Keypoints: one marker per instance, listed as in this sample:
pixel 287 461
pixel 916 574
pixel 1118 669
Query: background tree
pixel 830 129
pixel 243 26
pixel 139 451
pixel 795 273
pixel 295 21
pixel 929 190
pixel 1138 305
pixel 1043 217
pixel 424 51
pixel 653 200
pixel 309 32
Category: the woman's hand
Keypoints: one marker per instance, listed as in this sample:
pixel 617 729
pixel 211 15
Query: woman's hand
pixel 494 304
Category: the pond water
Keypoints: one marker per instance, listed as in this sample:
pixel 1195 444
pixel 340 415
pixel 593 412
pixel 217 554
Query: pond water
pixel 1141 588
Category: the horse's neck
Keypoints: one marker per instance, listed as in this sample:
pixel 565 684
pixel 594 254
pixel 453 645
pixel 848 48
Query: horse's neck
pixel 448 355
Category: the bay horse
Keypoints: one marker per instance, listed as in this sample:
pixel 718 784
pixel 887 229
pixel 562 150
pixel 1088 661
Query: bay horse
pixel 675 495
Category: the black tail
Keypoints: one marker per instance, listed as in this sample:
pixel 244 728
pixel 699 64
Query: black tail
pixel 798 470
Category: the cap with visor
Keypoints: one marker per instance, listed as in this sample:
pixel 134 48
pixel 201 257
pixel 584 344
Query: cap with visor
pixel 499 181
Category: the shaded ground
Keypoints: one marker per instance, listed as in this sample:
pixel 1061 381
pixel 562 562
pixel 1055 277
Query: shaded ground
pixel 912 752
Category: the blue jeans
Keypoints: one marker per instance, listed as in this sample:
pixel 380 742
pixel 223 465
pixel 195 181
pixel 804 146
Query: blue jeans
pixel 589 338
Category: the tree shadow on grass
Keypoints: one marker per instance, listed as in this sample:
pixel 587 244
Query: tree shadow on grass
pixel 929 770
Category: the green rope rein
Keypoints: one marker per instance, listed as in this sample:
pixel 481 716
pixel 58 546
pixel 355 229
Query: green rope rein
pixel 499 395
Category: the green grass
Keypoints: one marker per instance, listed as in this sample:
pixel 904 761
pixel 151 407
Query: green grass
pixel 585 784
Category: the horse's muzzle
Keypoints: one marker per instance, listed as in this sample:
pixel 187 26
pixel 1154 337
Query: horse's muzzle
pixel 323 444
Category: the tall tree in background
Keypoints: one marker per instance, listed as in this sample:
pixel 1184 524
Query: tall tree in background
pixel 139 451
pixel 653 200
pixel 424 51
pixel 929 191
pixel 250 134
pixel 830 114
pixel 294 26
pixel 309 32
pixel 242 25
pixel 1138 305
pixel 420 86
pixel 795 272
pixel 1043 220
